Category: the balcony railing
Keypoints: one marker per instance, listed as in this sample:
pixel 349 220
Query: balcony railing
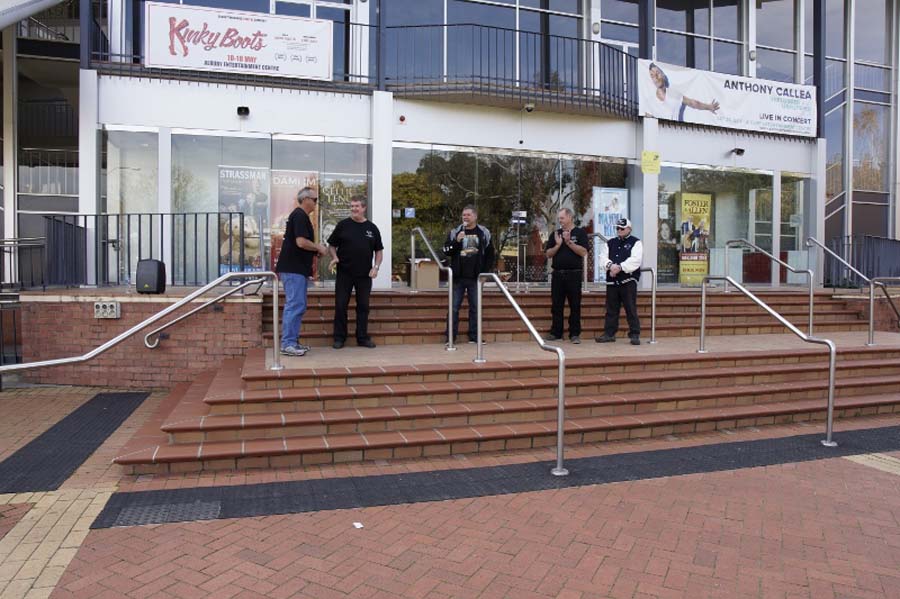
pixel 511 67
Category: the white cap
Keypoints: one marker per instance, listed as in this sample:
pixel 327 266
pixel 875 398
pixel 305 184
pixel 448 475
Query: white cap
pixel 623 223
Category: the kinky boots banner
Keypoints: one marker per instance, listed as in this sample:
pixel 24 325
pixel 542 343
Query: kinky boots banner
pixel 209 39
pixel 691 96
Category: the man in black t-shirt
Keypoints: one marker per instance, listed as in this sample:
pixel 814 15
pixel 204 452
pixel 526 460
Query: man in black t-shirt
pixel 471 253
pixel 353 244
pixel 567 247
pixel 295 267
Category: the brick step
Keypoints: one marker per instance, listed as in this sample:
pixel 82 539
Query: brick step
pixel 405 394
pixel 766 326
pixel 254 375
pixel 296 451
pixel 376 323
pixel 427 416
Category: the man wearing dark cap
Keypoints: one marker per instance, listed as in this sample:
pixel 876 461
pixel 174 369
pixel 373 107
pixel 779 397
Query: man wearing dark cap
pixel 621 257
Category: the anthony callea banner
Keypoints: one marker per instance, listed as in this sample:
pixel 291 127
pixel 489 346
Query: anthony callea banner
pixel 691 96
pixel 210 39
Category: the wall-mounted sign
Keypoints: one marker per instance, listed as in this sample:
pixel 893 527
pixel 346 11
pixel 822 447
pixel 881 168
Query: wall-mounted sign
pixel 209 39
pixel 650 162
pixel 692 96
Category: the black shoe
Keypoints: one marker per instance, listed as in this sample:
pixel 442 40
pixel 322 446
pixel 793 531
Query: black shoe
pixel 552 337
pixel 605 339
pixel 366 343
pixel 337 344
pixel 635 341
pixel 575 339
pixel 483 341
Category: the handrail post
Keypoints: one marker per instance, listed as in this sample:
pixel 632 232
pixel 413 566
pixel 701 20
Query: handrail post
pixel 652 305
pixel 276 339
pixel 413 271
pixel 479 344
pixel 702 349
pixel 811 276
pixel 450 335
pixel 871 341
pixel 559 469
pixel 829 423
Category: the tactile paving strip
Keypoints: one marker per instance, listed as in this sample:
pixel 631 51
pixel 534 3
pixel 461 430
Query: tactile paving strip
pixel 47 461
pixel 368 491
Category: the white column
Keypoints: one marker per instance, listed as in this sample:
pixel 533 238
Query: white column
pixel 650 194
pixel 10 158
pixel 776 227
pixel 382 165
pixel 817 218
pixel 88 161
pixel 164 193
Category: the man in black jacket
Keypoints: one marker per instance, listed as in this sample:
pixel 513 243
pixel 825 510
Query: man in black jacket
pixel 471 253
pixel 567 247
pixel 621 257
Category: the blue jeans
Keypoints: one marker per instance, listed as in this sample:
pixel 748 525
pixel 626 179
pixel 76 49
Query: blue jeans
pixel 461 288
pixel 295 287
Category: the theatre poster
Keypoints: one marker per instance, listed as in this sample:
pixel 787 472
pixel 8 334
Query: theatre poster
pixel 285 187
pixel 609 205
pixel 696 219
pixel 242 189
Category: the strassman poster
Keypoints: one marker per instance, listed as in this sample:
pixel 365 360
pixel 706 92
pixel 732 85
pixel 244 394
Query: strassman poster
pixel 687 95
pixel 210 39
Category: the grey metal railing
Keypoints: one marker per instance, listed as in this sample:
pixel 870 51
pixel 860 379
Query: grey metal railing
pixel 558 470
pixel 832 357
pixel 810 275
pixel 413 274
pixel 276 357
pixel 157 331
pixel 873 283
pixel 17 251
pixel 653 283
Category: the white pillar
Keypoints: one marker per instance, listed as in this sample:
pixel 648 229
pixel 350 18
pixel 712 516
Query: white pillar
pixel 817 218
pixel 650 193
pixel 88 161
pixel 10 158
pixel 164 193
pixel 382 165
pixel 776 227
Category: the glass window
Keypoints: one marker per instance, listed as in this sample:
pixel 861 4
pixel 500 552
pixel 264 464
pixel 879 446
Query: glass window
pixel 834 224
pixel 728 58
pixel 619 10
pixel 412 12
pixel 249 5
pixel 775 65
pixel 727 19
pixel 873 26
pixel 834 161
pixel 294 10
pixel 834 77
pixel 132 165
pixel 872 78
pixel 570 6
pixel 619 33
pixel 682 50
pixel 834 28
pixel 870 220
pixel 341 38
pixel 483 45
pixel 775 25
pixel 689 16
pixel 871 141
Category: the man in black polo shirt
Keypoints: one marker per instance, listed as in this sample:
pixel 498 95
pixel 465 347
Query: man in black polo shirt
pixel 567 247
pixel 295 267
pixel 353 244
pixel 621 257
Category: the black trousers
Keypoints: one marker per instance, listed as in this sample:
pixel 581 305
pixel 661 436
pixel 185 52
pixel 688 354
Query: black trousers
pixel 565 286
pixel 616 297
pixel 344 285
pixel 463 288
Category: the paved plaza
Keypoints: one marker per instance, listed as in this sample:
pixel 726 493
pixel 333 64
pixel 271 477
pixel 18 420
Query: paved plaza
pixel 749 512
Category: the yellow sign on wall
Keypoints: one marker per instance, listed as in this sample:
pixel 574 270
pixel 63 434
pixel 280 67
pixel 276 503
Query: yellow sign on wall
pixel 650 162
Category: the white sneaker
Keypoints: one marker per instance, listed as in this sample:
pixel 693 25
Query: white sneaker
pixel 293 350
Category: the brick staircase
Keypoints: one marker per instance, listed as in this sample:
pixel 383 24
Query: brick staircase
pixel 403 318
pixel 244 416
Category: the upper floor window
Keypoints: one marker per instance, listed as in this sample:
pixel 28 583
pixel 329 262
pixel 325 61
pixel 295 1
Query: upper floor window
pixel 776 40
pixel 702 34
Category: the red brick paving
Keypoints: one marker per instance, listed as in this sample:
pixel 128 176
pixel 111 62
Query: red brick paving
pixel 820 529
pixel 10 515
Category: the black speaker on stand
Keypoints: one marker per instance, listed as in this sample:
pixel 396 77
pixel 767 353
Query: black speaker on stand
pixel 150 276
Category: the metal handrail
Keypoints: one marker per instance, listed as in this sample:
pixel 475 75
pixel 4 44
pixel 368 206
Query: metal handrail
pixel 558 470
pixel 412 279
pixel 808 338
pixel 653 283
pixel 811 276
pixel 880 282
pixel 276 359
pixel 876 282
pixel 215 300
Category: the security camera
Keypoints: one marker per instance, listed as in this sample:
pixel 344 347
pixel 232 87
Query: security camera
pixel 529 107
pixel 738 151
pixel 243 111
